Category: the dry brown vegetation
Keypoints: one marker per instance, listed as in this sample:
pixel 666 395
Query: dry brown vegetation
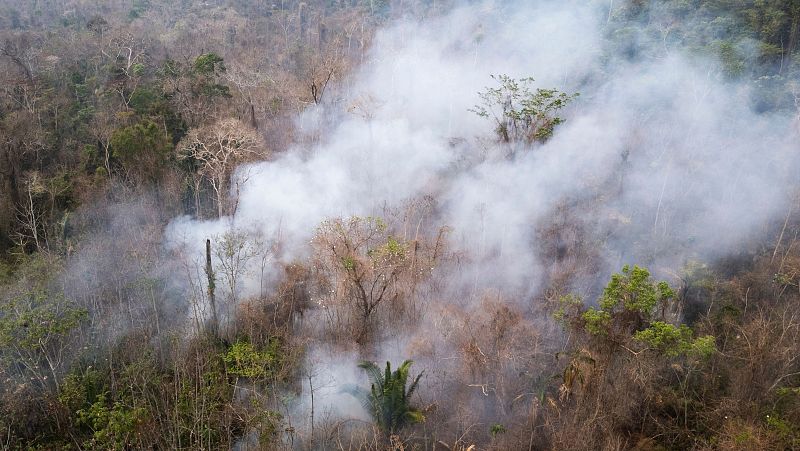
pixel 117 116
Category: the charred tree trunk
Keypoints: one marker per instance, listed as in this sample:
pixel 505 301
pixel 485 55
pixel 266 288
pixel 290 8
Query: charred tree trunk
pixel 253 122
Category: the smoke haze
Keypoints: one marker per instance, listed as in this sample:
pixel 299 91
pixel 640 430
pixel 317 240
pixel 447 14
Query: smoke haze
pixel 661 158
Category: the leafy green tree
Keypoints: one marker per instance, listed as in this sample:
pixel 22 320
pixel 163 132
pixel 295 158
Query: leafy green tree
pixel 633 306
pixel 209 64
pixel 244 360
pixel 628 359
pixel 673 340
pixel 207 71
pixel 36 331
pixel 389 397
pixel 628 302
pixel 521 114
pixel 113 427
pixel 196 88
pixel 81 388
pixel 142 148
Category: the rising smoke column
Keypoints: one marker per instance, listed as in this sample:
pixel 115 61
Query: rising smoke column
pixel 697 160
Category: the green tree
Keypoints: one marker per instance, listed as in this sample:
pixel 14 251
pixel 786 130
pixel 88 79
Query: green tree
pixel 113 427
pixel 521 114
pixel 389 397
pixel 634 306
pixel 36 331
pixel 142 148
pixel 243 360
pixel 196 88
pixel 627 304
pixel 207 73
pixel 208 64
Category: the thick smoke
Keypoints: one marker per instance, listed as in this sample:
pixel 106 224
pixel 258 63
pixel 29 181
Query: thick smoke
pixel 662 158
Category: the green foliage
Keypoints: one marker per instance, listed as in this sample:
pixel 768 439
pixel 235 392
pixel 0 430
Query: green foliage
pixel 91 156
pixel 60 188
pixel 630 298
pixel 566 304
pixel 597 321
pixel 729 30
pixel 521 114
pixel 788 391
pixel 142 148
pixel 786 430
pixel 497 429
pixel 209 64
pixel 389 397
pixel 349 263
pixel 243 360
pixel 214 90
pixel 30 323
pixel 202 398
pixel 674 341
pixel 626 309
pixel 635 291
pixel 703 346
pixel 129 143
pixel 115 426
pixel 393 249
pixel 784 279
pixel 697 274
pixel 170 69
pixel 145 100
pixel 80 389
pixel 733 62
pixel 137 69
pixel 744 437
pixel 203 77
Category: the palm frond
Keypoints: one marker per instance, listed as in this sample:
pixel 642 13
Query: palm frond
pixel 373 373
pixel 414 385
pixel 388 400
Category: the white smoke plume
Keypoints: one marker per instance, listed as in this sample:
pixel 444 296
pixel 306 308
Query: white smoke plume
pixel 666 158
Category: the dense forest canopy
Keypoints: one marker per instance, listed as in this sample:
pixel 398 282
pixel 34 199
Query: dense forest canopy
pixel 399 224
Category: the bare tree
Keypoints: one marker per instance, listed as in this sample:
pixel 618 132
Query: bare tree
pixel 128 52
pixel 22 52
pixel 237 251
pixel 216 150
pixel 253 86
pixel 103 126
pixel 323 68
pixel 30 218
pixel 367 271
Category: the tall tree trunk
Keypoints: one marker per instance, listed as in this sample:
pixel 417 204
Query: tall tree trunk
pixel 794 33
pixel 211 286
pixel 219 189
pixel 253 122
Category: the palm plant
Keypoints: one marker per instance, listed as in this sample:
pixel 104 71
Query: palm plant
pixel 389 397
